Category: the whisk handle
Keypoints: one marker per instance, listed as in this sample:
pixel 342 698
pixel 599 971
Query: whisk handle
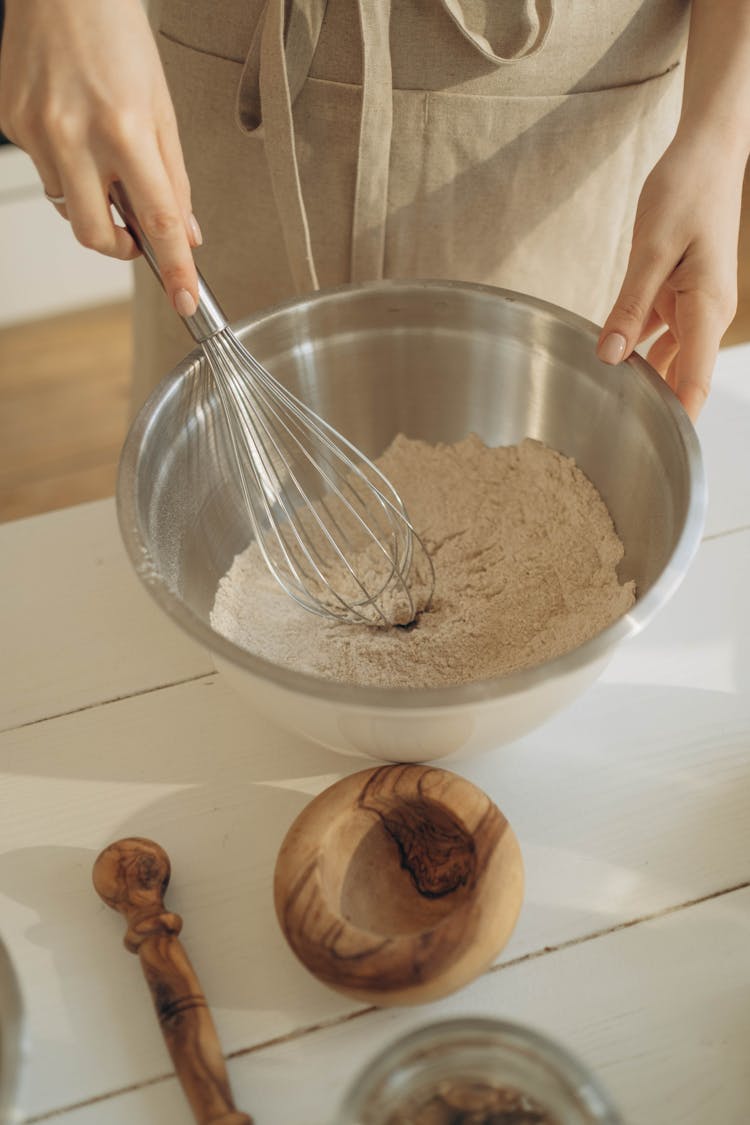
pixel 208 319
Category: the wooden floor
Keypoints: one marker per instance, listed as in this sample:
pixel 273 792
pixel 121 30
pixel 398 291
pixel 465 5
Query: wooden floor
pixel 64 399
pixel 64 387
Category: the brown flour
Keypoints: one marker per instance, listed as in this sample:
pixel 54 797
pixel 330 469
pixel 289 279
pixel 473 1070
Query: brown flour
pixel 525 558
pixel 466 1102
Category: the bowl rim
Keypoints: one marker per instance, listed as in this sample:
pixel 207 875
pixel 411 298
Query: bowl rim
pixel 404 699
pixel 14 1045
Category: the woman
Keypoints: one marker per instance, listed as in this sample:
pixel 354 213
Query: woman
pixel 534 144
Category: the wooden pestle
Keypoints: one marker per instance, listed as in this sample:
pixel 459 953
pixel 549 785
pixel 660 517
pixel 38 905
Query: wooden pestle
pixel 131 876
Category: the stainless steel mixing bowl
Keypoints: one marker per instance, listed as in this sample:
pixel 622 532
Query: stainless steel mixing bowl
pixel 435 360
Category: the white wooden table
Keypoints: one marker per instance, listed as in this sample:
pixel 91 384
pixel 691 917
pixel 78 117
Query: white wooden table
pixel 632 807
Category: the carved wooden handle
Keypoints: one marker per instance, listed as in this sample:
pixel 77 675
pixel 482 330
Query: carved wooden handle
pixel 131 876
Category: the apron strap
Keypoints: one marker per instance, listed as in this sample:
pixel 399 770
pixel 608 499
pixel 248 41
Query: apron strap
pixel 371 192
pixel 275 70
pixel 303 25
pixel 273 75
pixel 536 14
pixel 276 108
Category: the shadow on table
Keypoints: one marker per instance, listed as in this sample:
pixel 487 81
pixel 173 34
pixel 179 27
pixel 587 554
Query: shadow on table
pixel 657 826
pixel 632 801
pixel 221 819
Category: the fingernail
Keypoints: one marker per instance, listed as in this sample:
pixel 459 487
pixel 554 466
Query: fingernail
pixel 195 230
pixel 612 348
pixel 185 302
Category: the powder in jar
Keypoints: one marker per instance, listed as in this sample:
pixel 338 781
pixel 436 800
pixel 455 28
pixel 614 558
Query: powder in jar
pixel 471 1103
pixel 525 557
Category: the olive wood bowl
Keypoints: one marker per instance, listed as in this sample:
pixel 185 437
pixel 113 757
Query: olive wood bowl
pixel 399 885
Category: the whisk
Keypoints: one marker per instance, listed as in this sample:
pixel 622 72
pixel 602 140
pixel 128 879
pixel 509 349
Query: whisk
pixel 331 527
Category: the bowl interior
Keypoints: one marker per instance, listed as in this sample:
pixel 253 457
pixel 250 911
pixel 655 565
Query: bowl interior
pixel 434 361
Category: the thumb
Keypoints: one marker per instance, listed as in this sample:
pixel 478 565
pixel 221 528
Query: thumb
pixel 624 327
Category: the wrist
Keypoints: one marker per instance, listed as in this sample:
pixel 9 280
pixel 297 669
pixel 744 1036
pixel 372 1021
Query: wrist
pixel 715 140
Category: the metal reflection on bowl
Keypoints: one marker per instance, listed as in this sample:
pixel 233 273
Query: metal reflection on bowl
pixel 434 360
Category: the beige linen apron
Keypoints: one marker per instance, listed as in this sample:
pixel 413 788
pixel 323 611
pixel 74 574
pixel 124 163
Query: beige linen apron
pixel 500 141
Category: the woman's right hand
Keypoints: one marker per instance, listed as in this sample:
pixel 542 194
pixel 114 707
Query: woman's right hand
pixel 82 90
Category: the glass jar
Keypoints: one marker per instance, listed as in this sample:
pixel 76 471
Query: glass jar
pixel 480 1071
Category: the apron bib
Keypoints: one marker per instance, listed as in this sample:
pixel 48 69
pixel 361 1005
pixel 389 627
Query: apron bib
pixel 504 143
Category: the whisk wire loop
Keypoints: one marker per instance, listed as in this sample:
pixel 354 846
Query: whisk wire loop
pixel 344 548
pixel 250 454
pixel 312 544
pixel 335 489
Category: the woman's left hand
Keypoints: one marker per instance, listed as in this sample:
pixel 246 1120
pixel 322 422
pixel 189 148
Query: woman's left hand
pixel 682 272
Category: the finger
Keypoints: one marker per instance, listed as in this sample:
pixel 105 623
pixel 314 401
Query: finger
pixel 662 352
pixel 662 314
pixel 700 326
pixel 157 209
pixel 665 304
pixel 87 208
pixel 670 377
pixel 50 178
pixel 174 162
pixel 653 322
pixel 622 329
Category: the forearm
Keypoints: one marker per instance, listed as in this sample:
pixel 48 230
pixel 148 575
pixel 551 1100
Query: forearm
pixel 716 101
pixel 682 273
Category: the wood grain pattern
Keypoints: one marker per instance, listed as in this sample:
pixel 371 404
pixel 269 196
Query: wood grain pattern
pixel 631 802
pixel 399 885
pixel 658 1011
pixel 131 876
pixel 64 401
pixel 73 618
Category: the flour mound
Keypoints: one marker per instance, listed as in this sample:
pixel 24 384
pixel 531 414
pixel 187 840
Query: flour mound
pixel 525 557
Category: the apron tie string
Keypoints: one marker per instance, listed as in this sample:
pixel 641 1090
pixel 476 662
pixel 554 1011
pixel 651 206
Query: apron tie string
pixel 272 77
pixel 536 15
pixel 275 70
pixel 373 163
